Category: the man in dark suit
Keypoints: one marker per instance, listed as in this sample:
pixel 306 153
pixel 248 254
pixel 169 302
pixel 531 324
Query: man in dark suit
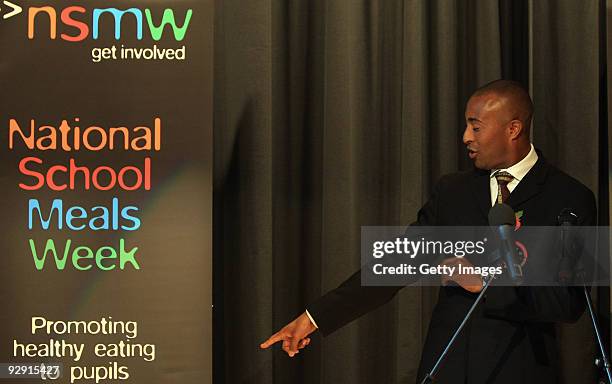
pixel 511 336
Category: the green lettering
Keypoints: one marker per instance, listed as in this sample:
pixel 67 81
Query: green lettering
pixel 168 18
pixel 76 258
pixel 100 258
pixel 49 247
pixel 125 257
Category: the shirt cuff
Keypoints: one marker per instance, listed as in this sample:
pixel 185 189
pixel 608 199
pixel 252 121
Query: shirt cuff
pixel 311 319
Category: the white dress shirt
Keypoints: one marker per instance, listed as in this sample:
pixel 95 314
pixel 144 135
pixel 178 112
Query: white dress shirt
pixel 518 171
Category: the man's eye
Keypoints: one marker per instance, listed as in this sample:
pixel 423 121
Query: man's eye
pixel 475 129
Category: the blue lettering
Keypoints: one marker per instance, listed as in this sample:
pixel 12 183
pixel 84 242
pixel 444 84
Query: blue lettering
pixel 118 15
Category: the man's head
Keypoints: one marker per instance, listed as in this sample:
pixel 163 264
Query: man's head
pixel 498 120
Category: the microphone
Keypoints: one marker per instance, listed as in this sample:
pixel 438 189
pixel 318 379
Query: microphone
pixel 566 219
pixel 501 216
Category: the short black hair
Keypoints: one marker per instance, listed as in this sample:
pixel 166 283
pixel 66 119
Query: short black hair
pixel 516 93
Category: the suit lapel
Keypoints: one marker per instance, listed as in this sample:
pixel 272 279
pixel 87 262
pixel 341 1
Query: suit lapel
pixel 531 185
pixel 482 190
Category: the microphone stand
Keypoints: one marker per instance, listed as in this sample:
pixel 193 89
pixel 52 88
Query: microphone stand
pixel 603 361
pixel 429 377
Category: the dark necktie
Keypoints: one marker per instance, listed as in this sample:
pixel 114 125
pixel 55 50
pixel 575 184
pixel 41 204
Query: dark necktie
pixel 503 193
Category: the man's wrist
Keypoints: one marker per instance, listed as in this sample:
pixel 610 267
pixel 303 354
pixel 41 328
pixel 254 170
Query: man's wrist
pixel 311 319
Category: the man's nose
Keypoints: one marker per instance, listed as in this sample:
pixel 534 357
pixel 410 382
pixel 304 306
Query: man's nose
pixel 467 136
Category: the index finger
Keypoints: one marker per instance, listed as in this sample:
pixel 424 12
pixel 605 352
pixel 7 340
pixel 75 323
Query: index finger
pixel 275 338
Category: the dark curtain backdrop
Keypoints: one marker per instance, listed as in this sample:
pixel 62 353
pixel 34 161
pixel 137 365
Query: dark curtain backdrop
pixel 330 115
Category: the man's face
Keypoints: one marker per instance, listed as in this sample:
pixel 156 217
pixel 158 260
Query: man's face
pixel 486 135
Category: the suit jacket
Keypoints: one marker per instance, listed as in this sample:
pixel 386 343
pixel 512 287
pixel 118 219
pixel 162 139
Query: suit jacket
pixel 511 335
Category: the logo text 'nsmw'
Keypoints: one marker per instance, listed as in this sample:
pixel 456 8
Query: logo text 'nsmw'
pixel 77 23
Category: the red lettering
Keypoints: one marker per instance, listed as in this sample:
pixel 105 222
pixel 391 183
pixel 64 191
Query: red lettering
pixel 73 170
pixel 24 170
pixel 68 20
pixel 90 176
pixel 50 174
pixel 147 172
pixel 113 177
pixel 138 178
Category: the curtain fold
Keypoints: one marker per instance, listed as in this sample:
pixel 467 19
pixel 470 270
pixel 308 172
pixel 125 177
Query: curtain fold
pixel 330 115
pixel 566 83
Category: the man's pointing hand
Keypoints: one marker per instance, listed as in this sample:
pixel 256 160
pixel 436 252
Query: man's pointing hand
pixel 293 335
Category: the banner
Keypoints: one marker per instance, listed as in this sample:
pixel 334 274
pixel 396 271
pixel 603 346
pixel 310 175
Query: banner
pixel 106 177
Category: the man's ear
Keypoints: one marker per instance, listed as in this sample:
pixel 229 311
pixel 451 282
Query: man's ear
pixel 516 128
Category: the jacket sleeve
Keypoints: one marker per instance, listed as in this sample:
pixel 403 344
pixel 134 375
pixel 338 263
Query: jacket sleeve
pixel 348 302
pixel 352 300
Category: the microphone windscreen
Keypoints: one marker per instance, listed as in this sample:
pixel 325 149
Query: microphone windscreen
pixel 501 214
pixel 567 217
